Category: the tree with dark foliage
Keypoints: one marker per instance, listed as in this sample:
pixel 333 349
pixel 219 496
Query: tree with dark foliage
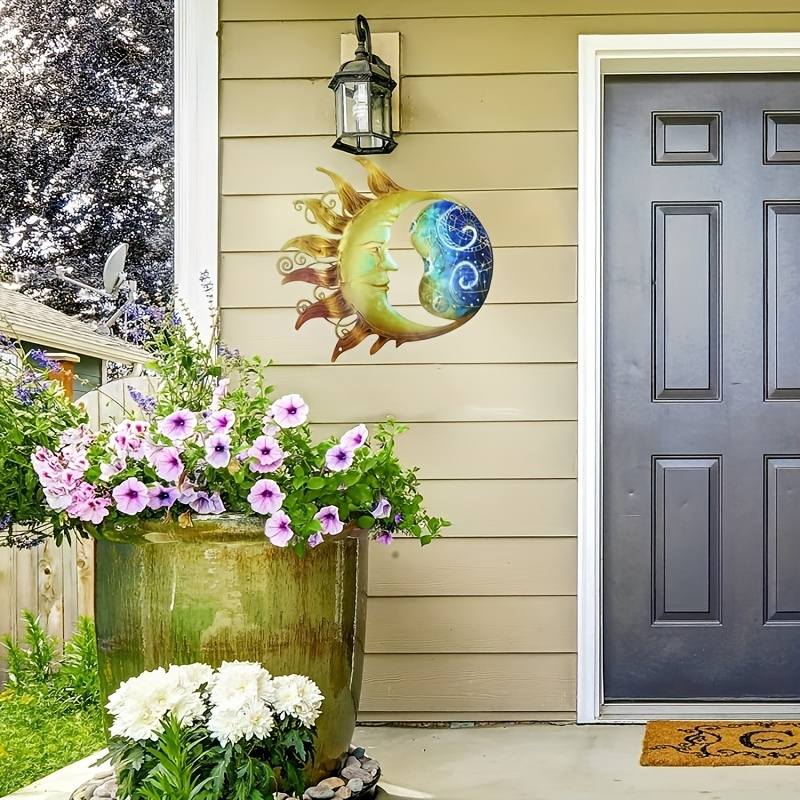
pixel 86 145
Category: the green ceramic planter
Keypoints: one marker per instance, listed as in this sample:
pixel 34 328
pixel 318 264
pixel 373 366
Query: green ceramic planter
pixel 220 591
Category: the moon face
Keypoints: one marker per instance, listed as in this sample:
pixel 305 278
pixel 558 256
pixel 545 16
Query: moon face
pixel 353 273
pixel 458 259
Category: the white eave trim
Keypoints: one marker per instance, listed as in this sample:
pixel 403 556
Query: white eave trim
pixel 196 154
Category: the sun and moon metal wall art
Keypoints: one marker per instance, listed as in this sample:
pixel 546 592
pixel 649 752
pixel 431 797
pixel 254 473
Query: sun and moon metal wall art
pixel 352 267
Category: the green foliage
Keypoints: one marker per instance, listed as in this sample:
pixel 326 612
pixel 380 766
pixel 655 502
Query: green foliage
pixel 187 373
pixel 50 712
pixel 33 412
pixel 186 764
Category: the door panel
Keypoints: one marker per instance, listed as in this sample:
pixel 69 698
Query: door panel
pixel 701 388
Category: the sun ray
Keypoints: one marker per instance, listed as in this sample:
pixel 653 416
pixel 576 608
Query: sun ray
pixel 351 273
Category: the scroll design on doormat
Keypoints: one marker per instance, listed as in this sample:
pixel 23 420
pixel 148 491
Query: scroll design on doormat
pixel 721 743
pixel 352 267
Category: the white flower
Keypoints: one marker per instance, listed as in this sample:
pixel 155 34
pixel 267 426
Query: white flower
pixel 297 696
pixel 192 676
pixel 248 721
pixel 239 683
pixel 140 704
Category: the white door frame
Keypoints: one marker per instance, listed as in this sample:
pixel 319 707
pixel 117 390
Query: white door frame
pixel 613 55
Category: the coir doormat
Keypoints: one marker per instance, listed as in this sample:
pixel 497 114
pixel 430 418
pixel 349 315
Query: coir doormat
pixel 720 744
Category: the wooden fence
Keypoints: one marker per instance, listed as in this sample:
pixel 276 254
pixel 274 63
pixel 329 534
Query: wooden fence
pixel 57 583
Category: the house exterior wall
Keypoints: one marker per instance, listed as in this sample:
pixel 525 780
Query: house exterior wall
pixel 481 625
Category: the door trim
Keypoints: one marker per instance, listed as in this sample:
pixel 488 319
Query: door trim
pixel 616 55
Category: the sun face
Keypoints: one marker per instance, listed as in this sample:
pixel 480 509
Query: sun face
pixel 352 267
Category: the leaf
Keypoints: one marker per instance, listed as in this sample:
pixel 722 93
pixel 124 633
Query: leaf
pixel 316 483
pixel 365 522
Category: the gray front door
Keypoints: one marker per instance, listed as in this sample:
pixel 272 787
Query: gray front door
pixel 701 388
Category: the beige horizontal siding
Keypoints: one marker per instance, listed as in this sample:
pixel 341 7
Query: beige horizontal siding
pixel 409 9
pixel 543 217
pixel 553 503
pixel 471 625
pixel 477 683
pixel 509 45
pixel 546 332
pixel 465 162
pixel 348 394
pixel 441 104
pixel 481 624
pixel 426 718
pixel 521 275
pixel 469 450
pixel 474 567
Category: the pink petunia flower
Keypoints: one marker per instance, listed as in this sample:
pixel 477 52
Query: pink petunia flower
pixel 270 428
pixel 289 411
pixel 278 529
pixel 328 517
pixel 338 458
pixel 178 425
pixel 205 504
pixel 255 466
pixel 265 497
pixel 267 453
pixel 315 539
pixel 218 450
pixel 221 421
pixel 131 496
pixel 162 496
pixel 95 510
pixel 58 496
pixel 355 437
pixel 382 508
pixel 108 471
pixel 42 459
pixel 166 461
pixel 220 392
pixel 384 537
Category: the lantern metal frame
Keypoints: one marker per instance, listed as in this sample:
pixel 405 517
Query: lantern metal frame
pixel 370 77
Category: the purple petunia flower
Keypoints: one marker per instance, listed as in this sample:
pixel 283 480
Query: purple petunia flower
pixel 329 519
pixel 218 450
pixel 382 508
pixel 278 529
pixel 221 421
pixel 384 537
pixel 338 458
pixel 398 518
pixel 289 411
pixel 178 425
pixel 267 454
pixel 355 437
pixel 315 539
pixel 166 461
pixel 205 504
pixel 131 496
pixel 265 497
pixel 162 496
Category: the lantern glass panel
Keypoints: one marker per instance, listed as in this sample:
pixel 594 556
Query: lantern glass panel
pixel 378 111
pixel 356 96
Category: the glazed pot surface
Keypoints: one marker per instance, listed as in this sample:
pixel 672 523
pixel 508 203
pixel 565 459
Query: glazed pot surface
pixel 219 591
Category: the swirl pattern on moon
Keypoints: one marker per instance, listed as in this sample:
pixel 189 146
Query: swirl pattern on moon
pixel 352 266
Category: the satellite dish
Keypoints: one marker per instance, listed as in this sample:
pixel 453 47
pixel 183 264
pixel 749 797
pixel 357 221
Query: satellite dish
pixel 113 271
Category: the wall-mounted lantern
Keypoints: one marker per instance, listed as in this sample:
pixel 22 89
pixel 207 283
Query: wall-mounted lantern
pixel 363 95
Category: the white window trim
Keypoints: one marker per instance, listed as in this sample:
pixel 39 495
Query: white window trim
pixel 632 54
pixel 196 154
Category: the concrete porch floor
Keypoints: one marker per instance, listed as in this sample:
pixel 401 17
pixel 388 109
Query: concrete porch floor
pixel 530 762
